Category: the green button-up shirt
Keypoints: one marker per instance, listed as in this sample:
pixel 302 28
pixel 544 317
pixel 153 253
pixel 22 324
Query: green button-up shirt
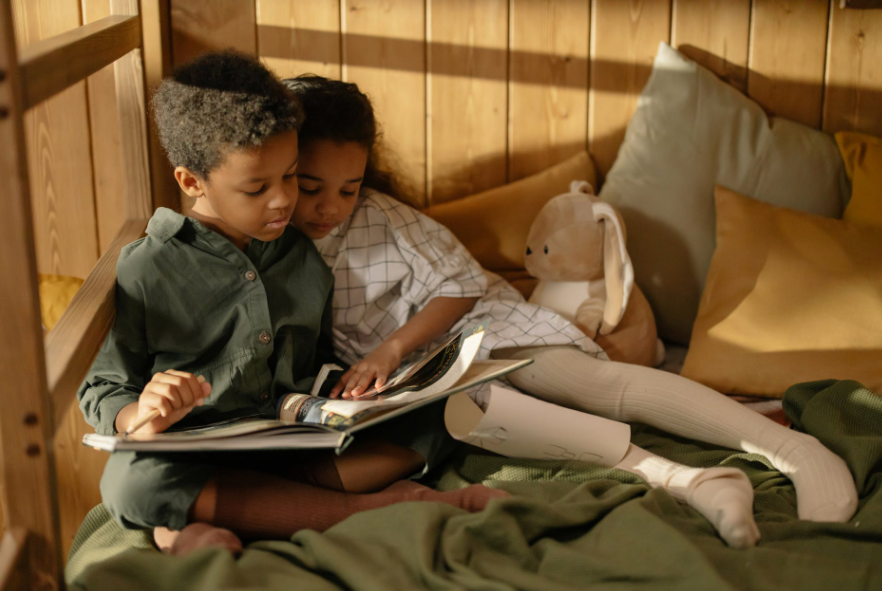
pixel 256 324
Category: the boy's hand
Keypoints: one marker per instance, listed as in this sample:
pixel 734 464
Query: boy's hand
pixel 377 366
pixel 174 394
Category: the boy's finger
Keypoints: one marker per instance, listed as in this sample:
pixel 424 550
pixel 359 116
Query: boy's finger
pixel 189 386
pixel 204 386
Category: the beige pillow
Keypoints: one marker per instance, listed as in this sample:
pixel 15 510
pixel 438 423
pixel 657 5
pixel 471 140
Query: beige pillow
pixel 493 225
pixel 790 297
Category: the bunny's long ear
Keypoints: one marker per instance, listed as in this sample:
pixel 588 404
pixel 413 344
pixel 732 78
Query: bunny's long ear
pixel 617 269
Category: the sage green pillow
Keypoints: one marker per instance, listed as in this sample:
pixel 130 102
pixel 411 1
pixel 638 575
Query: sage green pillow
pixel 691 131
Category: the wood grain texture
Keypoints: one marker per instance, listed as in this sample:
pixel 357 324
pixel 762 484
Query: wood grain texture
pixel 787 54
pixel 548 90
pixel 384 52
pixel 156 52
pixel 295 37
pixel 853 93
pixel 202 25
pixel 57 136
pixel 50 65
pixel 107 168
pixel 26 424
pixel 624 40
pixel 132 114
pixel 716 34
pixel 467 98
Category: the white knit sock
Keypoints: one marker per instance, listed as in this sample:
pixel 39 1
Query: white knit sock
pixel 723 495
pixel 825 488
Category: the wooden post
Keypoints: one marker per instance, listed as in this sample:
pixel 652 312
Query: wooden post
pixel 132 112
pixel 26 426
pixel 156 29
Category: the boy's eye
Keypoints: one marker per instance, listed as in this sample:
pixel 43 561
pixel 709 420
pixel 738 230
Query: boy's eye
pixel 288 177
pixel 256 193
pixel 347 193
pixel 309 191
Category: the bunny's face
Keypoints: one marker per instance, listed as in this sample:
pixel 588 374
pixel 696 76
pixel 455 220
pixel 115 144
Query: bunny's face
pixel 565 242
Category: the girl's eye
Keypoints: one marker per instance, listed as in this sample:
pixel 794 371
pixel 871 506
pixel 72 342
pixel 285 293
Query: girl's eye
pixel 347 193
pixel 306 191
pixel 256 193
pixel 288 177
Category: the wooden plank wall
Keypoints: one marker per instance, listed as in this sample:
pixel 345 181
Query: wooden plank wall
pixel 471 94
pixel 476 93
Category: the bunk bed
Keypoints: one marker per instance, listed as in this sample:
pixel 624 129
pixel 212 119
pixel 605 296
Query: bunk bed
pixel 569 526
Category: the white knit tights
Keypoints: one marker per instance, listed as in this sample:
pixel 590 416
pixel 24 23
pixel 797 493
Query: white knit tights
pixel 565 375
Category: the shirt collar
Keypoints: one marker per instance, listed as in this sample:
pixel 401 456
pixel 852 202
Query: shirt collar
pixel 165 224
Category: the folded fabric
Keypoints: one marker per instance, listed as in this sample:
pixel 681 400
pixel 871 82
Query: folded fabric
pixel 790 297
pixel 862 155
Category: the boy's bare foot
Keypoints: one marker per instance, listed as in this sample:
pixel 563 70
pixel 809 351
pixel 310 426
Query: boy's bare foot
pixel 472 498
pixel 194 536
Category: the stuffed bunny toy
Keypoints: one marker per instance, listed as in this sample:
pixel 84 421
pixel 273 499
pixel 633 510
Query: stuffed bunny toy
pixel 576 248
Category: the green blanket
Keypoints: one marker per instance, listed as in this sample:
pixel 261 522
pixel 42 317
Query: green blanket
pixel 569 525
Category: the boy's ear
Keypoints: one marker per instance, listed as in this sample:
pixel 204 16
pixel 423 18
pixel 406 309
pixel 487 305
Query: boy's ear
pixel 189 182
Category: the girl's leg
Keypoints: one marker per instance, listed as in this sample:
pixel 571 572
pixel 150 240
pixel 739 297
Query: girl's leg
pixel 565 375
pixel 723 495
pixel 367 466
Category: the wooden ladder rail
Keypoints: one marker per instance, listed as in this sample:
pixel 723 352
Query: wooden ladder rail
pixel 40 380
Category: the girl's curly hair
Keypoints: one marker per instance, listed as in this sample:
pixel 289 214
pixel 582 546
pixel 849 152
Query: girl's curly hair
pixel 339 111
pixel 217 102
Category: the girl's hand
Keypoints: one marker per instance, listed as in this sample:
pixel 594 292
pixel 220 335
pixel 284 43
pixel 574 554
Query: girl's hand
pixel 376 366
pixel 174 394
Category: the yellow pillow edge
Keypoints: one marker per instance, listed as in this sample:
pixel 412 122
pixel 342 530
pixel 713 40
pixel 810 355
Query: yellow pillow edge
pixel 56 293
pixel 862 155
pixel 711 362
pixel 493 224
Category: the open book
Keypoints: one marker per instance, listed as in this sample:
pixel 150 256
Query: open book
pixel 310 421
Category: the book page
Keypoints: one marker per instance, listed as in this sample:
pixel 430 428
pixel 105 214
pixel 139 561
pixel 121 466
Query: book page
pixel 520 426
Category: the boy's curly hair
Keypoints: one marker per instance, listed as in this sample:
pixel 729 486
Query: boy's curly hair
pixel 217 102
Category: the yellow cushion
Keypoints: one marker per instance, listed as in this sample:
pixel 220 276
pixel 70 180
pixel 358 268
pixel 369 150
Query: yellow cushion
pixel 790 297
pixel 56 292
pixel 494 224
pixel 862 154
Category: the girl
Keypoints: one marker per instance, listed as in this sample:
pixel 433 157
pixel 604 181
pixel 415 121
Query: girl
pixel 404 281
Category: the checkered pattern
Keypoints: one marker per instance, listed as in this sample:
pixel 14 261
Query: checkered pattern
pixel 389 261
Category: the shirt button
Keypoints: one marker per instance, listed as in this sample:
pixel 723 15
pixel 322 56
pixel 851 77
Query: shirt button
pixel 250 275
pixel 265 338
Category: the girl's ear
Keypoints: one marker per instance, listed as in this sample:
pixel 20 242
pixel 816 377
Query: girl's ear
pixel 189 182
pixel 618 272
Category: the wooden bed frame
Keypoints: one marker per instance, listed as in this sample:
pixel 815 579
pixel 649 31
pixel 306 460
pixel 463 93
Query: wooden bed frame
pixel 40 380
pixel 808 61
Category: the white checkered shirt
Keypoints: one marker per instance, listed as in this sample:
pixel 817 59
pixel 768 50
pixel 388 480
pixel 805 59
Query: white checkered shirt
pixel 390 260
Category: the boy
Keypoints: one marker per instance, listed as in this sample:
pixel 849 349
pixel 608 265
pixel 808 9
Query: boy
pixel 218 315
